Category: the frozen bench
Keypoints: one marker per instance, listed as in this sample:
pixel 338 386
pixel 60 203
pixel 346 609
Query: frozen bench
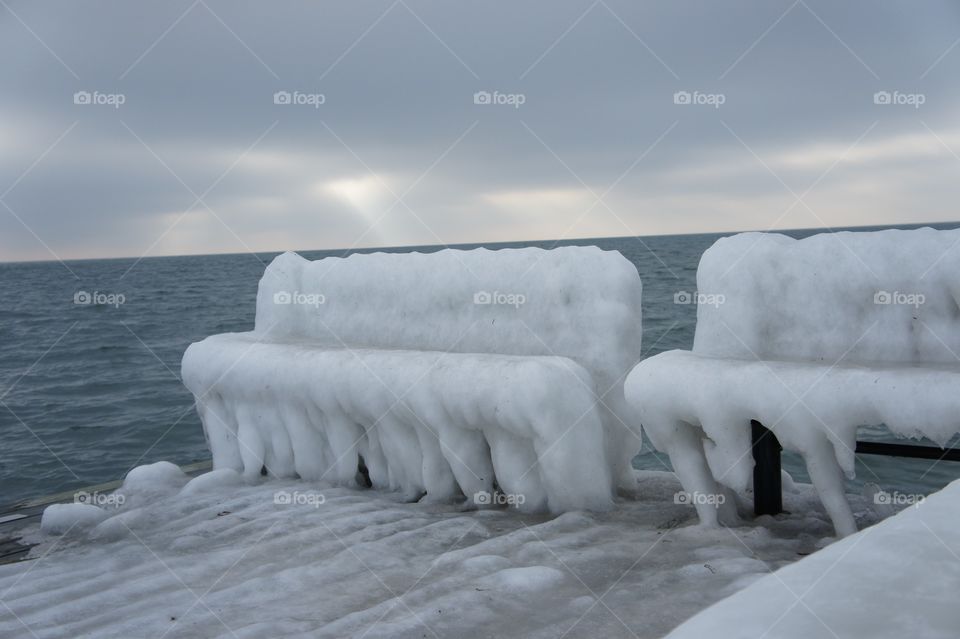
pixel 810 339
pixel 449 373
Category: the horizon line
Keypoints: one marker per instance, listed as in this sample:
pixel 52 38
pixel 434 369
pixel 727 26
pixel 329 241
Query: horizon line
pixel 826 229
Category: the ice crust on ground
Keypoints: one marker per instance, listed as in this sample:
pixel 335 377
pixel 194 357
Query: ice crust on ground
pixel 424 365
pixel 235 561
pixel 896 579
pixel 814 338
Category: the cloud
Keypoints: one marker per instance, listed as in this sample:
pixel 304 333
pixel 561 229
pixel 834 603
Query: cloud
pixel 398 117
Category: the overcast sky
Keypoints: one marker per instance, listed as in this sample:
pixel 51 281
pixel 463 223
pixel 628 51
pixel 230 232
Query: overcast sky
pixel 182 147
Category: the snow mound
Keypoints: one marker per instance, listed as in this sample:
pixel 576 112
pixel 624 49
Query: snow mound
pixel 118 526
pixel 895 579
pixel 450 374
pixel 486 562
pixel 212 480
pixel 520 580
pixel 60 519
pixel 160 477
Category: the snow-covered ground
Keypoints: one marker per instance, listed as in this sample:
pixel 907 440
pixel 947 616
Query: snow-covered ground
pixel 222 558
pixel 897 579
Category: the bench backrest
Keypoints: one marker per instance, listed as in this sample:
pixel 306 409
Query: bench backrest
pixel 884 296
pixel 578 302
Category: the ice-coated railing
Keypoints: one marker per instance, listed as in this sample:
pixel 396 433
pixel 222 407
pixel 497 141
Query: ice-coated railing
pixel 450 373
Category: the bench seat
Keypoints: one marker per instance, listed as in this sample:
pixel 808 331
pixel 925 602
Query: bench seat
pixel 424 421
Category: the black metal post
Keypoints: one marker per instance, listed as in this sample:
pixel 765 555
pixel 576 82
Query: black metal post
pixel 767 491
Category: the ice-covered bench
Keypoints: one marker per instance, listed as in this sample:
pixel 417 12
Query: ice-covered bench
pixel 449 372
pixel 811 338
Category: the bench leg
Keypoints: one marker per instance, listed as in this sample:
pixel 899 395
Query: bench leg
pixel 767 489
pixel 828 480
pixel 690 463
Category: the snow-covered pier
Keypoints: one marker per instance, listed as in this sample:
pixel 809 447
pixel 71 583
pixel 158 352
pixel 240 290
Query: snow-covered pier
pixel 219 556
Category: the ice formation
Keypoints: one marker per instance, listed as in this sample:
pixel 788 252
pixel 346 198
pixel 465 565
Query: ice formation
pixel 449 373
pixel 160 476
pixel 895 579
pixel 813 338
pixel 706 428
